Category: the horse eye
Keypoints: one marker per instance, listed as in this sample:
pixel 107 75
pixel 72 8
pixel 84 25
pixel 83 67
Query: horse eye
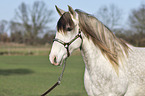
pixel 69 29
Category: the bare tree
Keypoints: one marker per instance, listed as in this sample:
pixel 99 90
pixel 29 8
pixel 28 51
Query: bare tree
pixel 3 26
pixel 137 20
pixel 35 19
pixel 137 25
pixel 110 15
pixel 3 31
pixel 17 32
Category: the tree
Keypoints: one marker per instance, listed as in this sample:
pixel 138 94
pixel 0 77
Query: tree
pixel 17 32
pixel 137 20
pixel 137 25
pixel 110 15
pixel 48 38
pixel 17 37
pixel 3 29
pixel 3 26
pixel 34 20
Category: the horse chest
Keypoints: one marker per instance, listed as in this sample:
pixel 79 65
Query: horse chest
pixel 97 83
pixel 100 78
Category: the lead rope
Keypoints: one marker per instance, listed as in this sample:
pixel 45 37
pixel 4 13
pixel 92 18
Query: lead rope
pixel 66 45
pixel 58 82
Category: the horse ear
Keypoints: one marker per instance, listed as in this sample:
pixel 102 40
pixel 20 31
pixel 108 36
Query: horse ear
pixel 72 11
pixel 60 11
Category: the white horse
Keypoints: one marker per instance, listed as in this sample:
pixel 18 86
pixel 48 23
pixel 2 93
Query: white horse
pixel 112 67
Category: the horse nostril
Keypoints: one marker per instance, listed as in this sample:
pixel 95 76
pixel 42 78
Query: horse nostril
pixel 55 60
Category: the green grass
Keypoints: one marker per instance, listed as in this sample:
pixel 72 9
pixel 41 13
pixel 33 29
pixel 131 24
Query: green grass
pixel 33 75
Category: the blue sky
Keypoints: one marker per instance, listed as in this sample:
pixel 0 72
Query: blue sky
pixel 7 7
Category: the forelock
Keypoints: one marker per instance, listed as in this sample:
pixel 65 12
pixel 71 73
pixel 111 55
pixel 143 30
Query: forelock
pixel 64 22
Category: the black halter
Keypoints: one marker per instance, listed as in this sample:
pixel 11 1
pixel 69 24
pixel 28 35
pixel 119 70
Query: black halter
pixel 66 45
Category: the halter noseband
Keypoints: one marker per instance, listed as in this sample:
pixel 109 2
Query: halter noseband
pixel 66 45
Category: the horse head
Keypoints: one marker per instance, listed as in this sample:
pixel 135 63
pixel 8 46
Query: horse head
pixel 67 36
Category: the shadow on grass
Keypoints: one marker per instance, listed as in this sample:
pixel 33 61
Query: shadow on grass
pixel 7 72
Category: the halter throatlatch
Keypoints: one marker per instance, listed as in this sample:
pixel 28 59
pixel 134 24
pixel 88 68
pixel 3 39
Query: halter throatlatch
pixel 66 45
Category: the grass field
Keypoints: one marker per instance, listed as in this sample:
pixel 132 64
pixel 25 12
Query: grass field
pixel 33 75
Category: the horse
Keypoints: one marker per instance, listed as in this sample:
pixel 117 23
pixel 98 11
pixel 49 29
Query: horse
pixel 113 67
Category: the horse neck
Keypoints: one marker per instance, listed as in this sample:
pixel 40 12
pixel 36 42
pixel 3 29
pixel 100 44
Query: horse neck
pixel 93 56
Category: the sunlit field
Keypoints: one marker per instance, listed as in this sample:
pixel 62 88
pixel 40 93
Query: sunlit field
pixel 33 75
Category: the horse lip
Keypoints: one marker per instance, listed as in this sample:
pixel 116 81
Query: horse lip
pixel 56 64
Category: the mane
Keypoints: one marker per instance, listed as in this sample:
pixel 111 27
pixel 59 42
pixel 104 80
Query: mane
pixel 111 47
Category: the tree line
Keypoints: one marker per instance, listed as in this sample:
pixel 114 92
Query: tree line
pixel 133 30
pixel 32 24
